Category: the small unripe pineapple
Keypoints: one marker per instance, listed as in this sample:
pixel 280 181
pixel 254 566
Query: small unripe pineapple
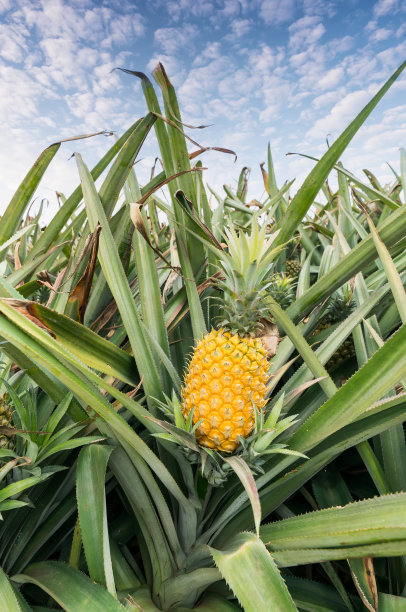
pixel 293 267
pixel 340 307
pixel 6 413
pixel 227 376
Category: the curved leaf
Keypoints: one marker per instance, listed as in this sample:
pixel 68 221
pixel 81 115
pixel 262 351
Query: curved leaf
pixel 71 589
pixel 253 576
pixel 8 599
pixel 381 519
pixel 15 210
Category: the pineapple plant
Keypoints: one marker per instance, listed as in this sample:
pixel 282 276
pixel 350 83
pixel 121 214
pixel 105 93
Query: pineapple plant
pixel 228 373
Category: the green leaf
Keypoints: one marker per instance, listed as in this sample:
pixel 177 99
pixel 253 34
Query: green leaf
pixel 309 357
pixel 17 487
pixel 314 596
pixel 11 504
pixel 305 556
pixel 8 599
pixel 214 603
pixel 15 210
pixel 89 347
pixel 381 519
pixel 52 232
pixel 384 415
pixel 356 396
pixel 140 601
pixel 51 449
pixel 391 603
pixel 90 490
pixel 71 589
pixel 81 382
pixel 247 479
pixel 148 284
pixel 14 238
pixel 393 276
pixel 330 489
pixel 118 283
pixel 253 576
pixel 186 586
pixel 124 575
pixel 391 231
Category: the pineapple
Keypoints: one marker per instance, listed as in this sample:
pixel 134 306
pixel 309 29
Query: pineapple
pixel 228 373
pixel 293 267
pixel 340 307
pixel 6 414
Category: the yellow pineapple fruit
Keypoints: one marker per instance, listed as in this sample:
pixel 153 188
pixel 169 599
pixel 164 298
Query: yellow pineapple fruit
pixel 228 372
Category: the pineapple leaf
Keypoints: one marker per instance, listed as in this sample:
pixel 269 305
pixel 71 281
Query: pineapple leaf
pixel 252 574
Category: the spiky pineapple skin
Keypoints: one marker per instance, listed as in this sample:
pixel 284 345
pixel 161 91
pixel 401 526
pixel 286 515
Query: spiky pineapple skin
pixel 6 414
pixel 293 267
pixel 226 375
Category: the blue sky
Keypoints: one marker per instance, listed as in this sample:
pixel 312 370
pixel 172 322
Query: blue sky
pixel 292 72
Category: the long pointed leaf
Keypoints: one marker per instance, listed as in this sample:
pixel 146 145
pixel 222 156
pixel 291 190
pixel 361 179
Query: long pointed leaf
pixel 91 473
pixel 253 576
pixel 71 589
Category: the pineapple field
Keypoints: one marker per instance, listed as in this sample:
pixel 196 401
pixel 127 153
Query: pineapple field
pixel 203 396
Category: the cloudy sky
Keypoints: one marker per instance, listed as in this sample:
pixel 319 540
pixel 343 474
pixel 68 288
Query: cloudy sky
pixel 292 72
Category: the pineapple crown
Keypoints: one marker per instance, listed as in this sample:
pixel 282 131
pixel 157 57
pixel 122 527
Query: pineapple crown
pixel 246 269
pixel 282 289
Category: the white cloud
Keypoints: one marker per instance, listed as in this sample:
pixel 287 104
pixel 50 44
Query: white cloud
pixel 177 9
pixel 358 66
pixel 371 25
pixel 172 40
pixel 331 78
pixel 401 31
pixel 391 58
pixel 10 50
pixel 305 31
pixel 199 90
pixel 319 7
pixel 20 96
pixel 231 8
pixel 340 45
pixel 383 7
pixel 341 114
pixel 264 58
pixel 277 12
pixel 240 27
pixel 327 98
pixel 211 51
pixel 62 62
pixel 5 5
pixel 380 34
